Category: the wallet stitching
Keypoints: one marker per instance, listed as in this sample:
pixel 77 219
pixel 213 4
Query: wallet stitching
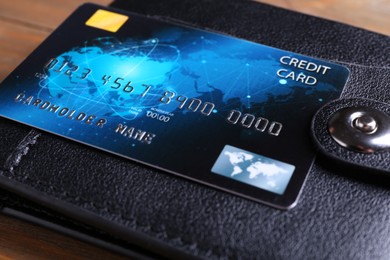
pixel 30 140
pixel 148 229
pixel 151 230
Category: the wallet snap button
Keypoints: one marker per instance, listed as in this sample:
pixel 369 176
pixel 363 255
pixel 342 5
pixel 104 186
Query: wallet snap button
pixel 366 124
pixel 362 129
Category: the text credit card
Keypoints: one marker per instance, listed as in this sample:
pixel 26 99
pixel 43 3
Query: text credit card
pixel 222 111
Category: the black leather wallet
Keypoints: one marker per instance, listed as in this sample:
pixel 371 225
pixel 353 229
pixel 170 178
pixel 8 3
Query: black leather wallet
pixel 343 211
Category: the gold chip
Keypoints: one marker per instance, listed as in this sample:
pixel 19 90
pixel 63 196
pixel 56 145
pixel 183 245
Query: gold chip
pixel 106 20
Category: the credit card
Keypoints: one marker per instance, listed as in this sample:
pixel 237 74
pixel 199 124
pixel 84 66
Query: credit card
pixel 219 110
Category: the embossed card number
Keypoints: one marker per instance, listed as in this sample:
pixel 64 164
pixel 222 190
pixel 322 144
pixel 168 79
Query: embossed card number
pixel 219 110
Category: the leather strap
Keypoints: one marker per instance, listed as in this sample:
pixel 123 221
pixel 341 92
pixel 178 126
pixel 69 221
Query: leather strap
pixel 379 160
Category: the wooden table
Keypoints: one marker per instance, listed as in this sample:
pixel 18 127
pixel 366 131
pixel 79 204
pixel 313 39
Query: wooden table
pixel 25 23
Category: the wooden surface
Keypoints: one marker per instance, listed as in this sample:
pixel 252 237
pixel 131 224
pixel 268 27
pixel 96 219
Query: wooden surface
pixel 26 23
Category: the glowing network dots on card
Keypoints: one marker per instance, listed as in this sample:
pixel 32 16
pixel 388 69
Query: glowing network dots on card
pixel 128 63
pixel 283 81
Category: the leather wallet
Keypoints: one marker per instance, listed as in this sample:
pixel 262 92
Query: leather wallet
pixel 138 211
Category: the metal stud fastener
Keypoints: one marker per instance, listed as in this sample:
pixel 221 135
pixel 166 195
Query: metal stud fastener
pixel 365 124
pixel 362 129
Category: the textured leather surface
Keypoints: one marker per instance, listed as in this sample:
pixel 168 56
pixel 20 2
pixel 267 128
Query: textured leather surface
pixel 340 215
pixel 15 206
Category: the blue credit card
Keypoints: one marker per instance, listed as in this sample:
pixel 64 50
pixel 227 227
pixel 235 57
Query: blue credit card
pixel 223 111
